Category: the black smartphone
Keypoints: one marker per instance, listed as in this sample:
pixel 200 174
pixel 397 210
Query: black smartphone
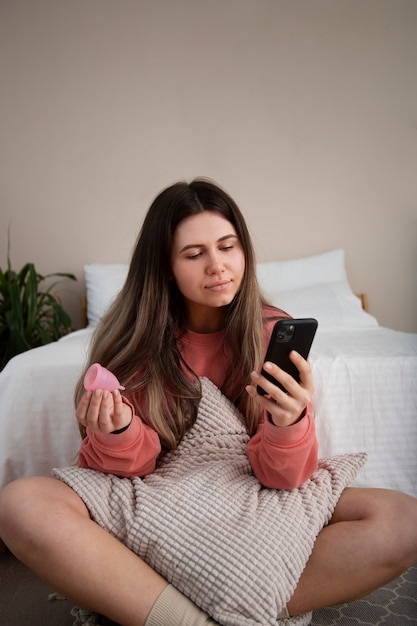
pixel 287 335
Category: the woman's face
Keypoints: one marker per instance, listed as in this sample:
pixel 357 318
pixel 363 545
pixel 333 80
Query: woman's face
pixel 208 266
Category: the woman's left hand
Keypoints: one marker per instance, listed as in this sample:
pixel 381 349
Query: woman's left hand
pixel 284 408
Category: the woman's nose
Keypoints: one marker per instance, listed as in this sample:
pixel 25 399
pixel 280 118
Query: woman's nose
pixel 215 264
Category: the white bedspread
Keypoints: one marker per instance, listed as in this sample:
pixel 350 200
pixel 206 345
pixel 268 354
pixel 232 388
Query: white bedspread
pixel 365 399
pixel 38 429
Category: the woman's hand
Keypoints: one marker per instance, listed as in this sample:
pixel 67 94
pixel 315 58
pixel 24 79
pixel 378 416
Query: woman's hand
pixel 284 408
pixel 103 411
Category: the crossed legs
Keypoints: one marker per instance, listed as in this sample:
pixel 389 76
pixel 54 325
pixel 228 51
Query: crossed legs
pixel 371 539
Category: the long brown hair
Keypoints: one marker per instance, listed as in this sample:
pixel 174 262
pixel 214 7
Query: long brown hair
pixel 137 338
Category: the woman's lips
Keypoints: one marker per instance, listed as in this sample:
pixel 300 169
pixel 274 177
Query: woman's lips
pixel 219 286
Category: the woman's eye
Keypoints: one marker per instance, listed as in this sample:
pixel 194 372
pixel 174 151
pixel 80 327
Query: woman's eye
pixel 194 256
pixel 226 248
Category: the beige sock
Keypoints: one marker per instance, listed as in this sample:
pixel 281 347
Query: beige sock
pixel 172 608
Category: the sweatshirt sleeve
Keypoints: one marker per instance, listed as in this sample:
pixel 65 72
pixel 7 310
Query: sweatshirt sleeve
pixel 284 458
pixel 132 452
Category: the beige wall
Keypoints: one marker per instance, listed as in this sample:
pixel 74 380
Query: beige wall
pixel 305 110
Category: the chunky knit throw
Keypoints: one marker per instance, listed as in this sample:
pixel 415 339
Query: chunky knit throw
pixel 205 523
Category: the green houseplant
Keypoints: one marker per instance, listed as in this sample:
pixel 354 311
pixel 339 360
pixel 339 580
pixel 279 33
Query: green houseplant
pixel 29 316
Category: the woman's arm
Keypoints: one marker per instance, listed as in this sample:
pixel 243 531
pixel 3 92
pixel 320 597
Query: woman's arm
pixel 284 458
pixel 284 451
pixel 129 453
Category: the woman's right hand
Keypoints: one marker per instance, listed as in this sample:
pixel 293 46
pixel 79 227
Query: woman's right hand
pixel 103 411
pixel 284 408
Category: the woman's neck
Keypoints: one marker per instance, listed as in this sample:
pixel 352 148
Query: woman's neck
pixel 206 319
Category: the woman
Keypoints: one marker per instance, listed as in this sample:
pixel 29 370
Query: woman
pixel 191 307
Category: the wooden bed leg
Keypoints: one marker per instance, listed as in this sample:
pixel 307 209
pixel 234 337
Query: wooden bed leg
pixel 364 301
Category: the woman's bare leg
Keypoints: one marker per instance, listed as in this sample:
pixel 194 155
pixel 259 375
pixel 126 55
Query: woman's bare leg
pixel 371 540
pixel 47 526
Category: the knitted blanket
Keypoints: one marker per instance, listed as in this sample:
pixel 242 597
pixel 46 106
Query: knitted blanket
pixel 205 523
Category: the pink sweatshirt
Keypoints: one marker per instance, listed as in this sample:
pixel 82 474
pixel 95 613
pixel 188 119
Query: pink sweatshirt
pixel 281 458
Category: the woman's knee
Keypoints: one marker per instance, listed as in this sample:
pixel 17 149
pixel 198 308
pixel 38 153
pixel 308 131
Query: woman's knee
pixel 404 527
pixel 391 517
pixel 28 506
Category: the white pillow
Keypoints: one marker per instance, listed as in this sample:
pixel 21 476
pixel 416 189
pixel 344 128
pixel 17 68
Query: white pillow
pixel 103 283
pixel 275 276
pixel 330 303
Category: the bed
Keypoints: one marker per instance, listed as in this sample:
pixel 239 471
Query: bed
pixel 365 377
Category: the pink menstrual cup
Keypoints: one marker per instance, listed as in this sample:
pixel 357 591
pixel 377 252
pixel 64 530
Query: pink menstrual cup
pixel 98 377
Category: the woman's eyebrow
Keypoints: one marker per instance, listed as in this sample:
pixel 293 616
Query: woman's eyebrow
pixel 202 245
